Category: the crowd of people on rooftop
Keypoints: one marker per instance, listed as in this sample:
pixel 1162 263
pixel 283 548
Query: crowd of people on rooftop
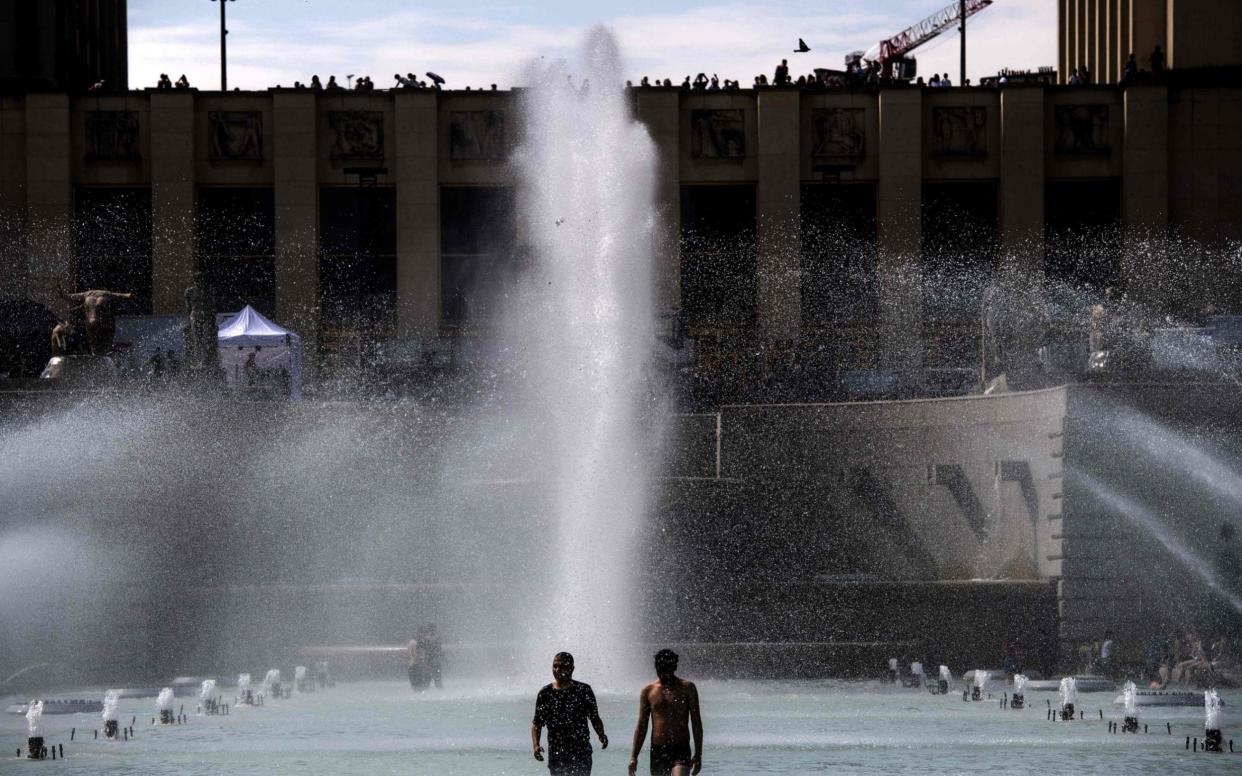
pixel 856 74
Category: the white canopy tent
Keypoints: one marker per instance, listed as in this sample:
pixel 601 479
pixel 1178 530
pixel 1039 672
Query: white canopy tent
pixel 274 348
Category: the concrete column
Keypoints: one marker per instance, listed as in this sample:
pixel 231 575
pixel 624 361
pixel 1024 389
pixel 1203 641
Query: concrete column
pixel 173 218
pixel 1147 25
pixel 779 201
pixel 1145 184
pixel 899 224
pixel 1081 41
pixel 418 215
pixel 296 199
pixel 659 111
pixel 1124 33
pixel 1064 18
pixel 1022 178
pixel 1117 39
pixel 49 195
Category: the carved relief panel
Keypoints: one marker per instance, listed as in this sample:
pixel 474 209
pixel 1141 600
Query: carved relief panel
pixel 838 132
pixel 717 134
pixel 236 134
pixel 357 134
pixel 1081 130
pixel 477 135
pixel 112 135
pixel 960 131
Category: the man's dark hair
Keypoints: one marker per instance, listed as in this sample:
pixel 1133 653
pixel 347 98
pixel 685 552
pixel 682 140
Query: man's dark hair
pixel 564 657
pixel 666 659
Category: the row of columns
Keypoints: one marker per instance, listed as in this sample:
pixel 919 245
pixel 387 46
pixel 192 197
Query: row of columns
pixel 49 200
pixel 1102 34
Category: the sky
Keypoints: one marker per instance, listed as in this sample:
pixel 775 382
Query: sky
pixel 274 42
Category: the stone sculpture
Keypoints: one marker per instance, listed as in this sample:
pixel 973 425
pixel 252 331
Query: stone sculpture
pixel 98 316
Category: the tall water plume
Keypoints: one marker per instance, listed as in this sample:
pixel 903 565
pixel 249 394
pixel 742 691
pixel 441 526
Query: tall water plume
pixel 582 333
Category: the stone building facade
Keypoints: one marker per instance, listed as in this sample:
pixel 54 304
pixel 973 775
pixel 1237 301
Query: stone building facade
pixel 1101 34
pixel 412 191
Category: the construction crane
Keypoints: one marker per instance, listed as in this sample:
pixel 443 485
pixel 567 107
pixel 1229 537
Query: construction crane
pixel 891 55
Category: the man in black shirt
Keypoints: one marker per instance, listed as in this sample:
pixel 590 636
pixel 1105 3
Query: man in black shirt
pixel 565 707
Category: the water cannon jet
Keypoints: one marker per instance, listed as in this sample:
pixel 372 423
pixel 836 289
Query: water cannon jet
pixel 301 681
pixel 245 693
pixel 1018 699
pixel 1069 698
pixel 110 725
pixel 1129 700
pixel 164 704
pixel 35 749
pixel 1211 722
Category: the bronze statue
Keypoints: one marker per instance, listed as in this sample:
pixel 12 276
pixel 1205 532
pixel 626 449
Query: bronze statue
pixel 201 334
pixel 98 317
pixel 62 334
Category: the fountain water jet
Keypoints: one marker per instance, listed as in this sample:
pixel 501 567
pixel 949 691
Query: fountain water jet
pixel 1211 722
pixel 271 683
pixel 946 676
pixel 981 683
pixel 1069 697
pixel 209 697
pixel 245 694
pixel 1143 517
pixel 34 732
pixel 1018 701
pixel 109 714
pixel 1129 701
pixel 164 704
pixel 583 332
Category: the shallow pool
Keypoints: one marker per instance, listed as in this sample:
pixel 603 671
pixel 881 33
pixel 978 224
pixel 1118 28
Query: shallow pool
pixel 751 728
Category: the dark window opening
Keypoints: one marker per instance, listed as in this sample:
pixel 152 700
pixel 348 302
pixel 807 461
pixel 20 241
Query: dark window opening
pixel 237 247
pixel 478 235
pixel 838 253
pixel 718 255
pixel 959 247
pixel 358 258
pixel 1082 238
pixel 112 243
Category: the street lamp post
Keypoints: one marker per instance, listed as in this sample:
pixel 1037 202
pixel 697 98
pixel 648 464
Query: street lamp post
pixel 224 66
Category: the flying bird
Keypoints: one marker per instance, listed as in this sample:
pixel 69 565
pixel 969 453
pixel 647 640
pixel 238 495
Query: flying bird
pixel 802 47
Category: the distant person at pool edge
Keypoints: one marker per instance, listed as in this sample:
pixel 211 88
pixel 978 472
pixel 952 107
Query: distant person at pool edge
pixel 564 707
pixel 671 704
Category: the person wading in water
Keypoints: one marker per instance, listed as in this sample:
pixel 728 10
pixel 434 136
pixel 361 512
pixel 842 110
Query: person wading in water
pixel 671 704
pixel 564 707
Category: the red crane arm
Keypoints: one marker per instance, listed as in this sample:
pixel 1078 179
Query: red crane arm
pixel 916 35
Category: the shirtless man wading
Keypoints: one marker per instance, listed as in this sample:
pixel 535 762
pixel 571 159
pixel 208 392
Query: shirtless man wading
pixel 671 704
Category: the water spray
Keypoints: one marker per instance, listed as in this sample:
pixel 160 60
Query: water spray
pixel 1018 700
pixel 300 681
pixel 35 750
pixel 1211 722
pixel 1069 698
pixel 942 684
pixel 1129 701
pixel 164 704
pixel 245 694
pixel 916 677
pixel 323 677
pixel 271 684
pixel 981 682
pixel 209 697
pixel 110 725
